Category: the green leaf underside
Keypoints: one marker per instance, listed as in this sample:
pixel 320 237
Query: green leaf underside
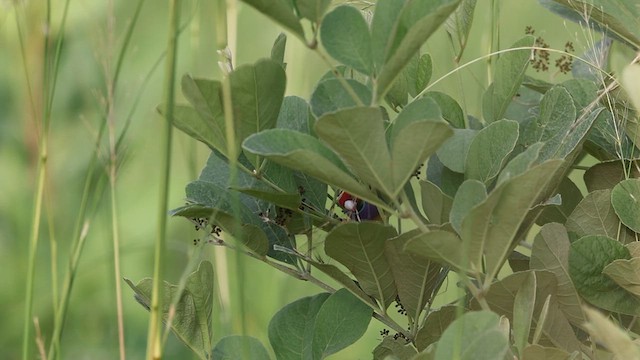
pixel 360 247
pixel 191 321
pixel 510 202
pixel 475 335
pixel 556 328
pixel 595 215
pixel 414 276
pixel 587 259
pixel 436 323
pixel 435 203
pixel 551 252
pixel 626 273
pixel 330 95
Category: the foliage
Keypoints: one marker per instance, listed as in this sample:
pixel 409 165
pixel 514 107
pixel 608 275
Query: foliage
pixel 488 182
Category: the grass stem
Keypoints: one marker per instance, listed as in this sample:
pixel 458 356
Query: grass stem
pixel 154 342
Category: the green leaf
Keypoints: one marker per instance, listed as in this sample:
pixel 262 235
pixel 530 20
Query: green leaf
pixel 587 259
pixel 257 93
pixel 470 194
pixel 442 246
pixel 551 252
pixel 291 328
pixel 413 140
pixel 281 12
pixel 278 48
pixel 237 347
pixel 453 153
pixel 191 321
pixel 435 203
pixel 307 154
pixel 435 324
pixel 459 23
pixel 312 9
pixel 556 327
pixel 509 74
pixel 606 175
pixel 492 227
pixel 211 191
pixel 398 30
pixel 520 163
pixel 537 352
pixel 595 215
pixel 475 335
pixel 391 348
pixel 523 307
pixel 625 198
pixel 451 110
pixel 204 95
pixel 360 247
pixel 341 320
pixel 330 95
pixel 571 197
pixel 415 277
pixel 357 135
pixel 343 279
pixel 626 273
pixel 412 80
pixel 295 114
pixel 345 35
pixel 489 150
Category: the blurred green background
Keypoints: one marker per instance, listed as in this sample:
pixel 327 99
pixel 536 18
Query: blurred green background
pixel 78 107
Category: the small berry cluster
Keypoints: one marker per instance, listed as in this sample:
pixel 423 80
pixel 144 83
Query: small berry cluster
pixel 418 171
pixel 540 59
pixel 399 307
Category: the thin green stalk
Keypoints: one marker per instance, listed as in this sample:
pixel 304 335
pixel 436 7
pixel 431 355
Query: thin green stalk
pixel 154 342
pixel 33 247
pixel 48 92
pixel 112 176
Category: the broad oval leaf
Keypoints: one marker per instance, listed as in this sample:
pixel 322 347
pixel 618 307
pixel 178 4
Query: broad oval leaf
pixel 330 95
pixel 345 35
pixel 360 247
pixel 595 215
pixel 238 347
pixel 587 260
pixel 470 194
pixel 435 324
pixel 291 328
pixel 357 135
pixel 442 246
pixel 341 320
pixel 257 93
pixel 606 175
pixel 435 203
pixel 281 12
pixel 398 30
pixel 192 314
pixel 551 252
pixel 453 152
pixel 415 277
pixel 307 154
pixel 509 73
pixel 626 273
pixel 489 150
pixel 473 336
pixel 625 199
pixel 492 227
